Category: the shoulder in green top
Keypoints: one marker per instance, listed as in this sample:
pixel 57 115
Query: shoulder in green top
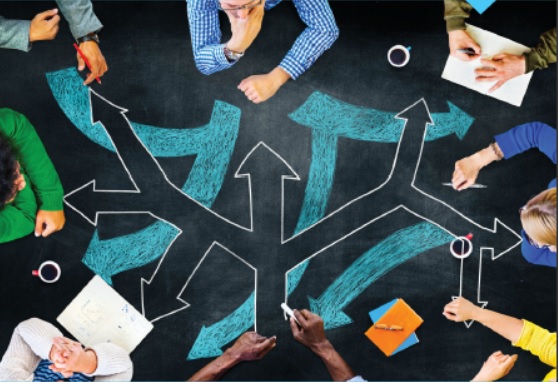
pixel 540 56
pixel 44 190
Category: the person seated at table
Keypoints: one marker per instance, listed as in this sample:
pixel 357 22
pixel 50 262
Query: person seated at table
pixel 538 216
pixel 521 333
pixel 38 351
pixel 31 195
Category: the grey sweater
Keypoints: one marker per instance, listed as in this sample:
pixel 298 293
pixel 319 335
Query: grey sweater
pixel 32 341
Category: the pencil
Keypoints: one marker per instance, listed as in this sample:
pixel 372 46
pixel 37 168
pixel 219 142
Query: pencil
pixel 475 185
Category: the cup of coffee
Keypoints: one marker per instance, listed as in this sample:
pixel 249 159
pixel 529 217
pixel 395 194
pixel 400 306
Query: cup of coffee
pixel 49 272
pixel 399 55
pixel 461 247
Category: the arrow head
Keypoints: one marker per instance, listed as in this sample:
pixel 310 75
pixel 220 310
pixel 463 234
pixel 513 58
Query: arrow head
pixel 262 159
pixel 205 346
pixel 80 201
pixel 461 120
pixel 333 317
pixel 156 305
pixel 101 108
pixel 417 112
pixel 507 239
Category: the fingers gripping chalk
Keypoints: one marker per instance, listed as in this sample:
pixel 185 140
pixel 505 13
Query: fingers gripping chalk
pixel 289 311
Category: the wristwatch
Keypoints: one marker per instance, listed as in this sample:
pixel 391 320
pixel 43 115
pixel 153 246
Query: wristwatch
pixel 93 36
pixel 232 55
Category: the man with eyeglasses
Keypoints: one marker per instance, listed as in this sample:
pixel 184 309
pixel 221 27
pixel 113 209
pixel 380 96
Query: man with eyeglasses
pixel 245 17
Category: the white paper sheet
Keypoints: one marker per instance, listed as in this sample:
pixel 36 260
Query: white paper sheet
pixel 463 72
pixel 99 314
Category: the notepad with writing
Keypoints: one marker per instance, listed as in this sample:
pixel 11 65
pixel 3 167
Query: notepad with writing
pixel 401 315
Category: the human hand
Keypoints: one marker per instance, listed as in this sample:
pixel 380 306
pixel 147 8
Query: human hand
pixel 460 310
pixel 48 222
pixel 261 87
pixel 70 357
pixel 310 332
pixel 501 68
pixel 495 367
pixel 251 346
pixel 466 172
pixel 92 52
pixel 460 39
pixel 245 27
pixel 44 26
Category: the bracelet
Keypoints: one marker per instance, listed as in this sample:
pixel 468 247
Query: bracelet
pixel 497 151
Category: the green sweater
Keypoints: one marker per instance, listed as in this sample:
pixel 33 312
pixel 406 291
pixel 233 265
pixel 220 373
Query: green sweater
pixel 43 191
pixel 540 56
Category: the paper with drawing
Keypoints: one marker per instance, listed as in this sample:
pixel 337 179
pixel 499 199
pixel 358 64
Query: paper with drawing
pixel 99 314
pixel 463 72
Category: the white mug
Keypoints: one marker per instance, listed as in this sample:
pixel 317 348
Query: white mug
pixel 48 272
pixel 461 247
pixel 398 55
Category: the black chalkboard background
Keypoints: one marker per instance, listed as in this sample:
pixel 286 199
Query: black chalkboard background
pixel 152 74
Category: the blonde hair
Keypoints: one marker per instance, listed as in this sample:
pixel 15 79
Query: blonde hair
pixel 538 217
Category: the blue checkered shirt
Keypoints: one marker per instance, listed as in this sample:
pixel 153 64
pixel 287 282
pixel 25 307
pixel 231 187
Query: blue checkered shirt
pixel 319 34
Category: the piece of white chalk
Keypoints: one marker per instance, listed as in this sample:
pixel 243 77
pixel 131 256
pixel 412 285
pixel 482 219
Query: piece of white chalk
pixel 289 311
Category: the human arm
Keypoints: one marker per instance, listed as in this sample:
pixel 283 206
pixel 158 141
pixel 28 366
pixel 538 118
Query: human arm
pixel 113 363
pixel 311 333
pixel 205 32
pixel 17 219
pixel 35 162
pixel 505 66
pixel 83 21
pixel 496 366
pixel 508 144
pixel 455 13
pixel 19 34
pixel 319 35
pixel 462 309
pixel 248 347
pixel 31 341
pixel 539 342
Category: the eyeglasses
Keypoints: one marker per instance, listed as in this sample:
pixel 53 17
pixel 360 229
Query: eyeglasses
pixel 388 327
pixel 248 6
pixel 531 241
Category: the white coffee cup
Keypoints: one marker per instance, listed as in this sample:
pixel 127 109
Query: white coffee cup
pixel 461 247
pixel 48 272
pixel 399 56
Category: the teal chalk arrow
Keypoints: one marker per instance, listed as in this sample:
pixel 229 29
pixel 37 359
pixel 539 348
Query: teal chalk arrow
pixel 369 267
pixel 212 144
pixel 211 339
pixel 110 257
pixel 330 118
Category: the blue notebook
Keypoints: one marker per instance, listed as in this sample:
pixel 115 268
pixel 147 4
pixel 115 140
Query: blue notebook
pixel 377 313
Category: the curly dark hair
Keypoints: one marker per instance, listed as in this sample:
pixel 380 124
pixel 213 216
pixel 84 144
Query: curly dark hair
pixel 8 171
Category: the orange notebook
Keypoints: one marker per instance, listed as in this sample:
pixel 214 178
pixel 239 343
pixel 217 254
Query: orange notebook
pixel 400 315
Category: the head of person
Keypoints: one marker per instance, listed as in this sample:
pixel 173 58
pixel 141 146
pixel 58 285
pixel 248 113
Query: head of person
pixel 538 218
pixel 240 9
pixel 11 179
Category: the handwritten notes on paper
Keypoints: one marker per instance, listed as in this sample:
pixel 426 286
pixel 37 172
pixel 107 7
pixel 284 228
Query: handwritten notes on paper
pixel 99 314
pixel 463 72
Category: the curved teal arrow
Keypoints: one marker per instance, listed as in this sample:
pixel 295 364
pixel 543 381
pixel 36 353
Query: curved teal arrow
pixel 373 264
pixel 212 144
pixel 211 339
pixel 330 118
pixel 110 257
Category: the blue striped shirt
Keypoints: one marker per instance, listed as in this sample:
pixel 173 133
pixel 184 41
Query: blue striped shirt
pixel 320 33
